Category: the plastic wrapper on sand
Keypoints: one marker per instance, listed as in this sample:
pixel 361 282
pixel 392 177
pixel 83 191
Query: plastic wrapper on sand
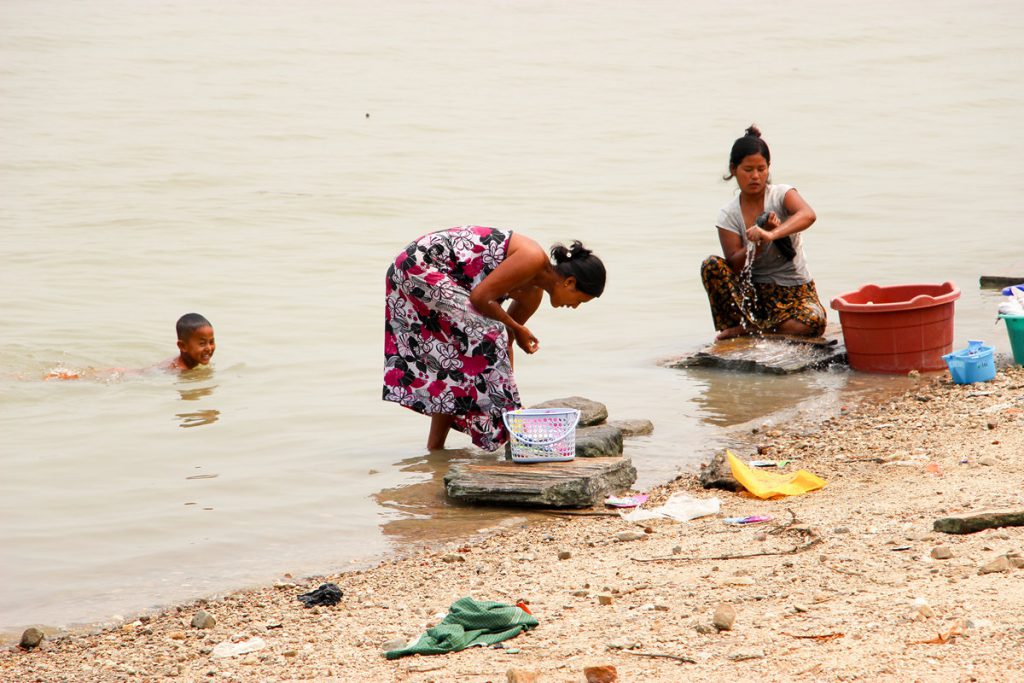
pixel 682 507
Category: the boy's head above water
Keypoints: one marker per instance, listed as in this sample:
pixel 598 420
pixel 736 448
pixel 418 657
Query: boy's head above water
pixel 195 340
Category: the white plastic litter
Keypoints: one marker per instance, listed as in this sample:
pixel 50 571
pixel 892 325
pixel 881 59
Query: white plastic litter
pixel 229 649
pixel 682 507
pixel 1010 307
pixel 1013 303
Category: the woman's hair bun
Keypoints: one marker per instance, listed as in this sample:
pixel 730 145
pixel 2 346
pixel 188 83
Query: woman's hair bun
pixel 579 262
pixel 561 254
pixel 750 143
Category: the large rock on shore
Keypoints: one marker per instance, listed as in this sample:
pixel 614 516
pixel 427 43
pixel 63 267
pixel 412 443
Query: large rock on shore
pixel 579 483
pixel 717 474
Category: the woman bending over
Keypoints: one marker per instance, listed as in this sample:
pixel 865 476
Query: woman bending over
pixel 447 334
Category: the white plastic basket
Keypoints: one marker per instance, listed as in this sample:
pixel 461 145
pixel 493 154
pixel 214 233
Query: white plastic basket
pixel 542 434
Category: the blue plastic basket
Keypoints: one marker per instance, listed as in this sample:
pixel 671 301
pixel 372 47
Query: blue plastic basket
pixel 976 363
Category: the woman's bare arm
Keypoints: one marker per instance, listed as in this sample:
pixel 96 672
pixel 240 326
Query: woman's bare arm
pixel 733 250
pixel 801 217
pixel 518 268
pixel 520 310
pixel 524 261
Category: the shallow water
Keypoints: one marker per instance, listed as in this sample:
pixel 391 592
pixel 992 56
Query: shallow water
pixel 262 166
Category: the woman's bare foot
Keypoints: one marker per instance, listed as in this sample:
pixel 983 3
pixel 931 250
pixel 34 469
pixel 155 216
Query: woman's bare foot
pixel 795 328
pixel 730 332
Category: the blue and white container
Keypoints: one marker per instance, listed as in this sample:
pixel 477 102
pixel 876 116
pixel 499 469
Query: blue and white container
pixel 976 363
pixel 542 434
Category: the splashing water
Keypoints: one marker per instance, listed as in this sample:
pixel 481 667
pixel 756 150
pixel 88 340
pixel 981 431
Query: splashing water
pixel 60 371
pixel 748 304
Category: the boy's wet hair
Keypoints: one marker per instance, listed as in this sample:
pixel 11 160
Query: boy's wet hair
pixel 189 323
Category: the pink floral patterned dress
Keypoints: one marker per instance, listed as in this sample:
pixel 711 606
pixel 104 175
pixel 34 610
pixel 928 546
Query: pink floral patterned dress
pixel 440 354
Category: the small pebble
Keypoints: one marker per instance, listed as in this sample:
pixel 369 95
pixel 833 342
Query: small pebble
pixel 394 644
pixel 724 617
pixel 31 638
pixel 600 674
pixel 203 619
pixel 1000 564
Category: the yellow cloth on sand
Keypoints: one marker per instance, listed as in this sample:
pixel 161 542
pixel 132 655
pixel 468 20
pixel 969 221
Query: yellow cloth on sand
pixel 769 485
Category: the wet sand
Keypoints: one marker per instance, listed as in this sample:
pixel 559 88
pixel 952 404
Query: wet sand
pixel 846 583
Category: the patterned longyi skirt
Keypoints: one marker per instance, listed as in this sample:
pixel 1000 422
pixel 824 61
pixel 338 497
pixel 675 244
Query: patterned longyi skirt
pixel 765 307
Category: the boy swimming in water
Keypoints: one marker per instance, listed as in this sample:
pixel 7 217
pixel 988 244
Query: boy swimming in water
pixel 195 342
pixel 195 345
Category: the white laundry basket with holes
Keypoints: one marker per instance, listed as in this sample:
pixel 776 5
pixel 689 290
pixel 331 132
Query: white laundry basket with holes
pixel 542 434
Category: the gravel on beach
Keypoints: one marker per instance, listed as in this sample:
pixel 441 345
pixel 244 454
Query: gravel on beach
pixel 850 582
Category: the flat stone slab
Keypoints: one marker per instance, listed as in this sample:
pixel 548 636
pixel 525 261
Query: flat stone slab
pixel 971 522
pixel 771 354
pixel 579 483
pixel 591 412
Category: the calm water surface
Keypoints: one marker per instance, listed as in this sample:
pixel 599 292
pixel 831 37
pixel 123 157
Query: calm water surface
pixel 261 165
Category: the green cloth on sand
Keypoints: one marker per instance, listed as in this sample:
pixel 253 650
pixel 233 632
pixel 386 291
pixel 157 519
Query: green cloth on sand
pixel 470 622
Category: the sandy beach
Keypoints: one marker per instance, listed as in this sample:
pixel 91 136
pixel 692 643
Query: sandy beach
pixel 849 582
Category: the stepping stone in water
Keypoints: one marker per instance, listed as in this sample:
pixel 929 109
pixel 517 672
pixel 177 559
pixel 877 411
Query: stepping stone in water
pixel 579 483
pixel 591 412
pixel 597 441
pixel 633 427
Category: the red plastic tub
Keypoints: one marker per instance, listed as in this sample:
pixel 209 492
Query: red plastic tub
pixel 899 328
